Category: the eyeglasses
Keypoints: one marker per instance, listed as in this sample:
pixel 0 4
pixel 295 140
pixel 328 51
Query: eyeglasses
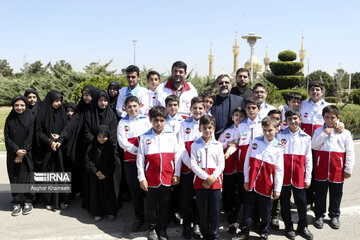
pixel 224 83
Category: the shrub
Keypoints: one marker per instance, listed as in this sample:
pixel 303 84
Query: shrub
pixel 349 115
pixel 285 68
pixel 284 82
pixel 355 96
pixel 333 99
pixel 287 55
pixel 285 93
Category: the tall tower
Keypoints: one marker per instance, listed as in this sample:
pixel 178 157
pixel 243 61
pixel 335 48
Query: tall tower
pixel 302 54
pixel 236 51
pixel 211 60
pixel 266 61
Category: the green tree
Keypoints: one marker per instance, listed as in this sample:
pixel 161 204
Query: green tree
pixel 324 77
pixel 355 80
pixel 5 69
pixel 341 79
pixel 36 68
pixel 96 68
pixel 61 68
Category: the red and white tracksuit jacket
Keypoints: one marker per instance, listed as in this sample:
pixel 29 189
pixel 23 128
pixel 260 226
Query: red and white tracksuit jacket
pixel 124 92
pixel 174 123
pixel 207 159
pixel 247 131
pixel 187 93
pixel 128 131
pixel 297 157
pixel 264 166
pixel 311 114
pixel 189 132
pixel 149 100
pixel 230 134
pixel 158 158
pixel 265 109
pixel 334 153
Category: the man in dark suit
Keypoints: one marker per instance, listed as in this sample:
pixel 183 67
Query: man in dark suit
pixel 242 79
pixel 224 105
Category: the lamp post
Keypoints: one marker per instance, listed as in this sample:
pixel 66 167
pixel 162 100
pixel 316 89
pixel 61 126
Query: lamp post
pixel 251 39
pixel 134 41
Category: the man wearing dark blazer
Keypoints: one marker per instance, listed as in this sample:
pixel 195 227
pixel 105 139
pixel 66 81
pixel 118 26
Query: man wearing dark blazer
pixel 224 104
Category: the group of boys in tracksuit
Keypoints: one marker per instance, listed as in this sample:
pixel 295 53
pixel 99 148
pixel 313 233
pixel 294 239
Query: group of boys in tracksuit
pixel 251 162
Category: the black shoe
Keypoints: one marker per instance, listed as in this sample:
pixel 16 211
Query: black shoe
pixel 27 209
pixel 16 210
pixel 232 228
pixel 305 233
pixel 263 236
pixel 64 206
pixel 152 235
pixel 196 231
pixel 162 235
pixel 275 224
pixel 319 223
pixel 290 233
pixel 187 232
pixel 334 223
pixel 136 225
pixel 243 236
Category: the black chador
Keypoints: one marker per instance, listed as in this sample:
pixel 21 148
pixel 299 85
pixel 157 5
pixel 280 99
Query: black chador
pixel 33 108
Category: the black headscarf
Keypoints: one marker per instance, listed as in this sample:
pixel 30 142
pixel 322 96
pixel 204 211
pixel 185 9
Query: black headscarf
pixel 70 105
pixel 113 100
pixel 82 106
pixel 34 109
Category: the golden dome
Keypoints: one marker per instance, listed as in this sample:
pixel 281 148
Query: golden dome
pixel 256 63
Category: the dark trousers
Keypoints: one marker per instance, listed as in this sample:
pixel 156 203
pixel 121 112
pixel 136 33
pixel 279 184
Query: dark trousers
pixel 335 192
pixel 300 200
pixel 137 194
pixel 232 195
pixel 252 202
pixel 188 207
pixel 275 209
pixel 157 203
pixel 208 203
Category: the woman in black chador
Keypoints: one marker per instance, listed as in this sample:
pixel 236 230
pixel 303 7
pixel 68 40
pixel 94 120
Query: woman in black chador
pixel 18 132
pixel 50 121
pixel 113 91
pixel 33 99
pixel 99 163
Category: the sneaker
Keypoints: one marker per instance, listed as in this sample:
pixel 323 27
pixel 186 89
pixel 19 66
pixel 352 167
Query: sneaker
pixel 232 228
pixel 196 231
pixel 137 224
pixel 305 233
pixel 162 235
pixel 319 223
pixel 275 224
pixel 334 223
pixel 187 232
pixel 290 233
pixel 50 208
pixel 16 211
pixel 243 236
pixel 263 236
pixel 27 208
pixel 97 218
pixel 152 235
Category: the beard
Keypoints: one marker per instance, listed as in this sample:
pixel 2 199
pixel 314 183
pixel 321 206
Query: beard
pixel 178 79
pixel 241 84
pixel 224 91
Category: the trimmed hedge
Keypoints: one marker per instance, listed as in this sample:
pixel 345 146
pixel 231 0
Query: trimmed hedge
pixel 287 55
pixel 355 96
pixel 333 99
pixel 285 68
pixel 284 82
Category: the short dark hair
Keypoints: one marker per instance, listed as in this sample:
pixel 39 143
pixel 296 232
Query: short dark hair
pixel 131 99
pixel 274 111
pixel 208 93
pixel 269 121
pixel 240 70
pixel 221 76
pixel 197 100
pixel 133 68
pixel 238 110
pixel 152 72
pixel 294 95
pixel 292 112
pixel 158 111
pixel 179 64
pixel 207 119
pixel 172 98
pixel 252 100
pixel 331 109
pixel 259 85
pixel 316 84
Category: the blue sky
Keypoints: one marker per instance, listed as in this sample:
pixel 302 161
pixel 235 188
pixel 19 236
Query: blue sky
pixel 81 32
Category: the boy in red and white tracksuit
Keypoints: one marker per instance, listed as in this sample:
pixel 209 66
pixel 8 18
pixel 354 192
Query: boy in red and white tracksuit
pixel 207 163
pixel 158 163
pixel 297 173
pixel 263 175
pixel 128 132
pixel 230 197
pixel 334 162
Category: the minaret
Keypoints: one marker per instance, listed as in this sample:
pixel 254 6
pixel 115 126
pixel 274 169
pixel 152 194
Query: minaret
pixel 211 60
pixel 302 54
pixel 236 51
pixel 266 61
